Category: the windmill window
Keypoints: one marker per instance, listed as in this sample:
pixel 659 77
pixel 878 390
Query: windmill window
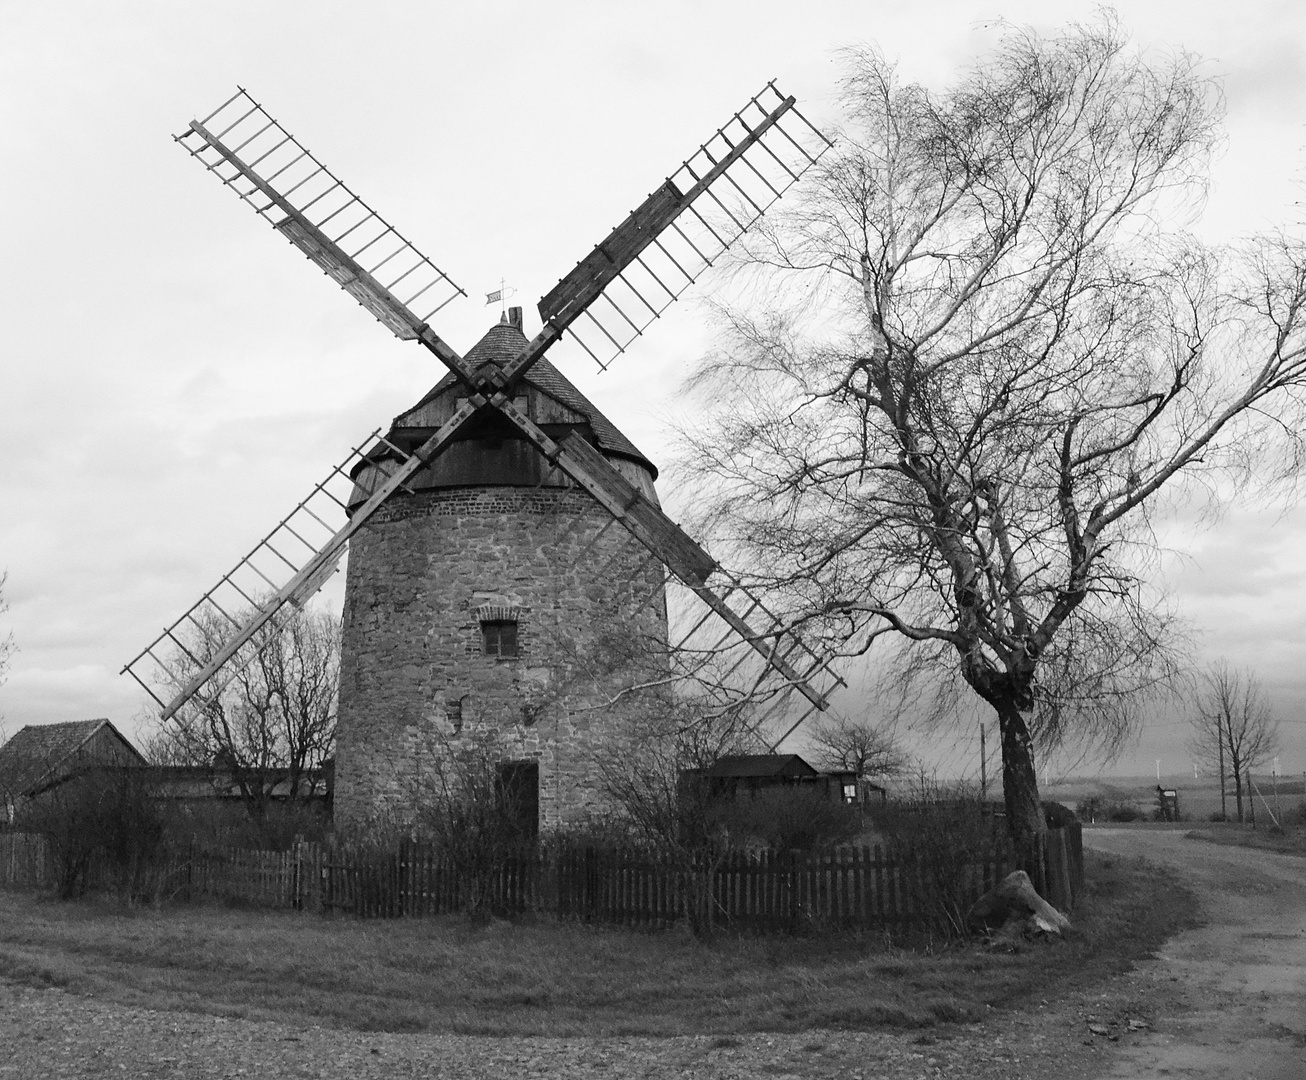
pixel 499 637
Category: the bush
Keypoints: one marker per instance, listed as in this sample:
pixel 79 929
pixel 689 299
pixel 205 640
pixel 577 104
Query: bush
pixel 788 819
pixel 475 817
pixel 106 817
pixel 941 834
pixel 1123 812
pixel 228 823
pixel 1090 809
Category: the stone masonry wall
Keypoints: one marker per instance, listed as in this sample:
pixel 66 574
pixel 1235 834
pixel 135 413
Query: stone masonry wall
pixel 415 686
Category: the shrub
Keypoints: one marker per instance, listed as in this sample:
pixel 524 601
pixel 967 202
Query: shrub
pixel 940 835
pixel 1090 809
pixel 1123 812
pixel 788 819
pixel 227 823
pixel 104 816
pixel 475 817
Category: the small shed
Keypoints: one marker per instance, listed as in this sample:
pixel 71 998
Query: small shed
pixel 40 756
pixel 741 775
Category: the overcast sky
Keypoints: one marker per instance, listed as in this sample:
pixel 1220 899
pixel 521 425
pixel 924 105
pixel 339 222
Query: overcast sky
pixel 173 376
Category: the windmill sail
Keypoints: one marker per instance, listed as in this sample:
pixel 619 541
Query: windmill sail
pixel 288 566
pixel 299 196
pixel 666 540
pixel 647 261
pixel 757 648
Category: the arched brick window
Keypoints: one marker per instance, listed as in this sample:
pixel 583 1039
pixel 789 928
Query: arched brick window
pixel 498 630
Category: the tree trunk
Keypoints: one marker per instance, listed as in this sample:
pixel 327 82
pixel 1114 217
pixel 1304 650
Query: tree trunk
pixel 1224 810
pixel 1238 788
pixel 1020 792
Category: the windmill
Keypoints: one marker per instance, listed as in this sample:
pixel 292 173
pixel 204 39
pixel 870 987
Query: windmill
pixel 506 387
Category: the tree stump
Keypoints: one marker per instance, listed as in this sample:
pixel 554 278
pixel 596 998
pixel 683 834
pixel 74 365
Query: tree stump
pixel 1015 899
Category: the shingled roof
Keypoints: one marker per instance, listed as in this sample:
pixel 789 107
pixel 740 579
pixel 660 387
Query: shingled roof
pixel 760 765
pixel 504 343
pixel 39 751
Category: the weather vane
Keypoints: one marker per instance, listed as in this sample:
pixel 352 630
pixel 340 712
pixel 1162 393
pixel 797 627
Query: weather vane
pixel 500 295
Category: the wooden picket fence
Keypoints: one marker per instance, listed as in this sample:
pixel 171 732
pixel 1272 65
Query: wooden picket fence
pixel 763 891
pixel 238 875
pixel 258 878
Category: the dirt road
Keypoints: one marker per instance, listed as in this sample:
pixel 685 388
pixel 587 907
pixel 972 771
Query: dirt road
pixel 1230 995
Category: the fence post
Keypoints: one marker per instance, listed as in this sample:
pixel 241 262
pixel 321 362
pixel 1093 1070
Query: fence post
pixel 297 874
pixel 1076 837
pixel 1058 890
pixel 1050 889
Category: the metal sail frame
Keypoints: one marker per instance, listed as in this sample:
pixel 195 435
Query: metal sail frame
pixel 287 186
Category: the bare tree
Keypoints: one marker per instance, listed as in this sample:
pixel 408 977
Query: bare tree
pixel 1234 727
pixel 7 646
pixel 10 785
pixel 105 813
pixel 472 811
pixel 665 804
pixel 8 796
pixel 858 746
pixel 274 721
pixel 973 363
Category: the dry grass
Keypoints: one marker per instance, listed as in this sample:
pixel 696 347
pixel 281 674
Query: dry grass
pixel 1198 799
pixel 1289 840
pixel 558 979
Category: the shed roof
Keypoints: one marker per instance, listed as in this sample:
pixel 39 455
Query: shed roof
pixel 39 750
pixel 504 343
pixel 744 765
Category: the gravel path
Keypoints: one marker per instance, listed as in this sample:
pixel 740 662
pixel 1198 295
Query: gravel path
pixel 1231 994
pixel 50 1033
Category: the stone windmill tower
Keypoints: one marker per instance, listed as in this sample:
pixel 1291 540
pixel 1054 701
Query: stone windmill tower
pixel 491 604
pixel 507 551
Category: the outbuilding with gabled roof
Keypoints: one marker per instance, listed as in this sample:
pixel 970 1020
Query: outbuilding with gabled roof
pixel 42 755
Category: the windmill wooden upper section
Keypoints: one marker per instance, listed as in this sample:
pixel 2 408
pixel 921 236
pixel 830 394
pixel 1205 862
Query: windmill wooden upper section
pixel 490 451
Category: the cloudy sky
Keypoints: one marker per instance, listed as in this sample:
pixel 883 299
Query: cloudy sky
pixel 173 376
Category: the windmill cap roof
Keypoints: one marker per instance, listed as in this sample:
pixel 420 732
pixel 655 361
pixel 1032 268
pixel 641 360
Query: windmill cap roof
pixel 503 343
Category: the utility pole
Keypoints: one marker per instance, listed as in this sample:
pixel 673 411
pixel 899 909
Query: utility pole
pixel 984 766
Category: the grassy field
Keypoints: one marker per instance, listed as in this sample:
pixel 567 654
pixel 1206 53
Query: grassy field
pixel 558 979
pixel 1198 799
pixel 1290 840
